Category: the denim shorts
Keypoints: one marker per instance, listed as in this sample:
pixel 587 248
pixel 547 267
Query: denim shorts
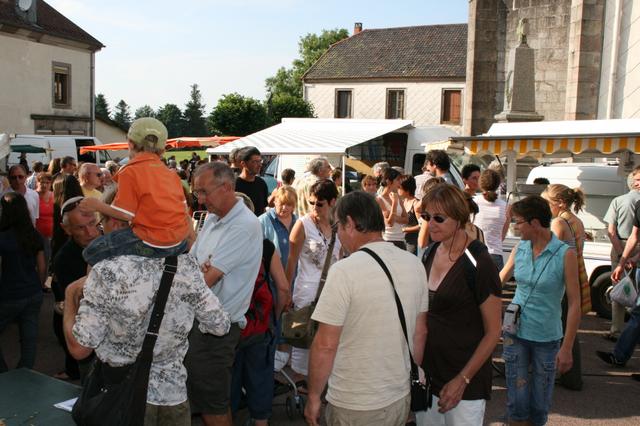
pixel 125 242
pixel 529 395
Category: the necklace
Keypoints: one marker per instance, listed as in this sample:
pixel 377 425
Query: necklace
pixel 324 237
pixel 466 240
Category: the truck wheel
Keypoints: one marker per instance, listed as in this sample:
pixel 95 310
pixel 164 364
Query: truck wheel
pixel 600 304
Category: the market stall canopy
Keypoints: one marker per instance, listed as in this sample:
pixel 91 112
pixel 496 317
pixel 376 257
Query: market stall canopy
pixel 175 143
pixel 550 137
pixel 314 136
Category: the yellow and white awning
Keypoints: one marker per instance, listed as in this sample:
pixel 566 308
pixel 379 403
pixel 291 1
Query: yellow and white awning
pixel 551 145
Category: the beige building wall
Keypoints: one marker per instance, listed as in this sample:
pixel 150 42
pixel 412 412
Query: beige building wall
pixel 108 133
pixel 29 90
pixel 619 94
pixel 423 100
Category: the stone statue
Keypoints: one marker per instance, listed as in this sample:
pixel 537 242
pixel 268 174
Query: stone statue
pixel 521 30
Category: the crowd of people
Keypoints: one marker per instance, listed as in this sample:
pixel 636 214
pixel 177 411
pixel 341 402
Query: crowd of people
pixel 414 274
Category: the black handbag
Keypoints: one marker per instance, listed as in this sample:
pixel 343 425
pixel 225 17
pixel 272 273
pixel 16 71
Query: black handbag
pixel 298 329
pixel 421 397
pixel 118 395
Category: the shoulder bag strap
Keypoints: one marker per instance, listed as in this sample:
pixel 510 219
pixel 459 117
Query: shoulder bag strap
pixel 403 323
pixel 145 357
pixel 327 263
pixel 538 279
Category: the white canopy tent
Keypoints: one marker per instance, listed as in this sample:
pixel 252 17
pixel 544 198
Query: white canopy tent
pixel 314 136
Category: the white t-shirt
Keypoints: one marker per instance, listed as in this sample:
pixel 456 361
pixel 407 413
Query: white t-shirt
pixel 490 219
pixel 371 367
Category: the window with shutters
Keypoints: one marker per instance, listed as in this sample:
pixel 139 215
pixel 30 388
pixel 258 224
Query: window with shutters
pixel 451 107
pixel 395 103
pixel 344 104
pixel 61 85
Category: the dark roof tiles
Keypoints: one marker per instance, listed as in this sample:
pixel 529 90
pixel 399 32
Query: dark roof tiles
pixel 422 52
pixel 49 21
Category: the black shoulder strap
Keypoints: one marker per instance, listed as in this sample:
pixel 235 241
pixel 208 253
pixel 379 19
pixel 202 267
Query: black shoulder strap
pixel 403 323
pixel 145 357
pixel 267 253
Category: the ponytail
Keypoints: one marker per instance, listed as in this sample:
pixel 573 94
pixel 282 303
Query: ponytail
pixel 578 199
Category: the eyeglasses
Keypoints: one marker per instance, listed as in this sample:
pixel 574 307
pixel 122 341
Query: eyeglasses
pixel 437 217
pixel 203 192
pixel 520 222
pixel 17 177
pixel 71 204
pixel 317 203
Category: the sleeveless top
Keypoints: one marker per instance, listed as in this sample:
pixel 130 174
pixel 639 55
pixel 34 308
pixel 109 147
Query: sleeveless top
pixel 44 223
pixel 411 237
pixel 314 251
pixel 583 279
pixel 392 233
pixel 490 219
pixel 539 291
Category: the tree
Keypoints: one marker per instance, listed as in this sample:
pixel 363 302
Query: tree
pixel 286 105
pixel 144 111
pixel 310 48
pixel 194 121
pixel 122 115
pixel 171 116
pixel 236 115
pixel 102 107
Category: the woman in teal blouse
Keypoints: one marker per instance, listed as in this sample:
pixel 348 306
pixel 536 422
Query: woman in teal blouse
pixel 544 268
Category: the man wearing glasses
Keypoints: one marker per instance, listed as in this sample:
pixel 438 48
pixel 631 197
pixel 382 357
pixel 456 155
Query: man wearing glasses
pixel 68 266
pixel 249 181
pixel 90 179
pixel 17 182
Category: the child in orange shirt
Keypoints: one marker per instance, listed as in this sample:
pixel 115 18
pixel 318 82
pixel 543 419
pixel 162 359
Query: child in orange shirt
pixel 149 196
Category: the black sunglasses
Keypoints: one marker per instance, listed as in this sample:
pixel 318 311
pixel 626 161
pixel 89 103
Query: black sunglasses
pixel 437 217
pixel 318 203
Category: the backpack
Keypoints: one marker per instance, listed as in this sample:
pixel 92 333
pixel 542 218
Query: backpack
pixel 259 315
pixel 470 262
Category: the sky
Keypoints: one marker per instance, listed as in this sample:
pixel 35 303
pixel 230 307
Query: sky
pixel 156 49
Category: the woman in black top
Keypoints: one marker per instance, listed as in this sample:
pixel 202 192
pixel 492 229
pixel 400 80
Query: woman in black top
pixel 23 274
pixel 463 322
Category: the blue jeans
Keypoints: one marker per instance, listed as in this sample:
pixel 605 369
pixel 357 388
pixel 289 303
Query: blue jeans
pixel 26 312
pixel 629 337
pixel 125 242
pixel 253 371
pixel 529 396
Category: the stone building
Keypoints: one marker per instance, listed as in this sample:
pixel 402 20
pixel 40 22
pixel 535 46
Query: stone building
pixel 586 58
pixel 414 73
pixel 47 71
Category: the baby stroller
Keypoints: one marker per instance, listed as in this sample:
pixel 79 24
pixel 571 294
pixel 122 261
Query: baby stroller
pixel 295 401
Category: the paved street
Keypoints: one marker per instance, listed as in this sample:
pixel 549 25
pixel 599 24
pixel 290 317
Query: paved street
pixel 609 396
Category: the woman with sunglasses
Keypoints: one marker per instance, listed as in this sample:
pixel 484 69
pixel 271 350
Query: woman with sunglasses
pixel 463 322
pixel 545 268
pixel 308 246
pixel 23 275
pixel 395 216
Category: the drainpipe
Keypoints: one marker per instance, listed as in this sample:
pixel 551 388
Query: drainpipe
pixel 92 93
pixel 613 69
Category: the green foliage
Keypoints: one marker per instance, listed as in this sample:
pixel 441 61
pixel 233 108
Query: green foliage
pixel 310 48
pixel 194 121
pixel 236 115
pixel 144 111
pixel 102 107
pixel 171 116
pixel 286 105
pixel 122 115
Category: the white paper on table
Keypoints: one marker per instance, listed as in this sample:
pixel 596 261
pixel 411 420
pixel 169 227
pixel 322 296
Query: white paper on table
pixel 66 405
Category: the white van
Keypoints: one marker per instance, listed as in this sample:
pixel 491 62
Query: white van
pixel 601 183
pixel 57 147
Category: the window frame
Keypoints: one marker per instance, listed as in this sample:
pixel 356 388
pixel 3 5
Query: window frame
pixel 55 68
pixel 337 106
pixel 443 109
pixel 387 114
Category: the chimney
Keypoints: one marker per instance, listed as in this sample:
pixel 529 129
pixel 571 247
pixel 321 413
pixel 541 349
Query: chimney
pixel 357 28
